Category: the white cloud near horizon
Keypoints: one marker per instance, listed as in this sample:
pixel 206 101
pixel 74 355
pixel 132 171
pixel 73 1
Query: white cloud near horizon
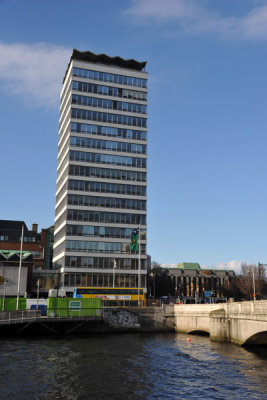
pixel 230 265
pixel 33 72
pixel 194 18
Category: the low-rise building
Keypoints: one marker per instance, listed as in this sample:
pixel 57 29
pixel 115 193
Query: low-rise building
pixel 36 256
pixel 192 283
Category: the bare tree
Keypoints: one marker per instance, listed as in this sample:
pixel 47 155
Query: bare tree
pixel 250 275
pixel 160 281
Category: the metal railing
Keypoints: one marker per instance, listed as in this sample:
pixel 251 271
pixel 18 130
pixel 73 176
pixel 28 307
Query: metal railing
pixel 23 316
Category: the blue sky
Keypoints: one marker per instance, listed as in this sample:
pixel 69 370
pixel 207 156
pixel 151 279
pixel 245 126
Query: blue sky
pixel 207 68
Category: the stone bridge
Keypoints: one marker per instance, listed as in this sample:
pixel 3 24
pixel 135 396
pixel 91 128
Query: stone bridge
pixel 243 323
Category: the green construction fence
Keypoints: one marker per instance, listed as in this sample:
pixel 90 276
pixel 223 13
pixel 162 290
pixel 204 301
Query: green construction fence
pixel 11 303
pixel 65 307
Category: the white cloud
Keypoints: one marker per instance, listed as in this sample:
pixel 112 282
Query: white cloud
pixel 194 17
pixel 230 265
pixel 33 72
pixel 169 265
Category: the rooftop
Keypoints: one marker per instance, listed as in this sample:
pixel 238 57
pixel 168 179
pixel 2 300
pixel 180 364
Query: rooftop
pixel 107 60
pixel 194 266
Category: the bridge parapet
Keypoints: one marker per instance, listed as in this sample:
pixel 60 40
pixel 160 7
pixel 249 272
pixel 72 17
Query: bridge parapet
pixel 242 322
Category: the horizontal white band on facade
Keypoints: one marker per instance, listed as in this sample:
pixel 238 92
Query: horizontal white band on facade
pixel 105 224
pixel 107 180
pixel 59 241
pixel 104 255
pixel 65 108
pixel 59 227
pixel 108 124
pixel 66 89
pixel 63 119
pixel 68 76
pixel 66 178
pixel 102 271
pixel 66 99
pixel 108 166
pixel 62 172
pixel 58 203
pixel 105 209
pixel 59 256
pixel 108 97
pixel 92 238
pixel 110 111
pixel 107 152
pixel 63 129
pixel 99 194
pixel 63 145
pixel 63 158
pixel 110 84
pixel 108 138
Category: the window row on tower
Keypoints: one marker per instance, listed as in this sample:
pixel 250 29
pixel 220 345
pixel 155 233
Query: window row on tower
pixel 107 159
pixel 105 187
pixel 103 280
pixel 107 145
pixel 106 202
pixel 109 91
pixel 108 117
pixel 109 104
pixel 106 217
pixel 100 247
pixel 106 173
pixel 100 231
pixel 123 133
pixel 107 77
pixel 103 263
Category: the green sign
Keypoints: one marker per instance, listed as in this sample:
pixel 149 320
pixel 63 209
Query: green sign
pixel 75 305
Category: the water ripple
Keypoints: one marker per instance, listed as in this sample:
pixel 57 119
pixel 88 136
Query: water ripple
pixel 147 367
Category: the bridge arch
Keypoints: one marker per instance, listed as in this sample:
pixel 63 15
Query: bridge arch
pixel 199 332
pixel 259 338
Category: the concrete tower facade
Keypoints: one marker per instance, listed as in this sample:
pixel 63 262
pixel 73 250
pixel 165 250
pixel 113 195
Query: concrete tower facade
pixel 102 173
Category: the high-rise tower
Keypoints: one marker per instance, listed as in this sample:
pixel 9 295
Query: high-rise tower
pixel 102 172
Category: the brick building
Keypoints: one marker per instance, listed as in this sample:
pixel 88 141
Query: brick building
pixel 36 254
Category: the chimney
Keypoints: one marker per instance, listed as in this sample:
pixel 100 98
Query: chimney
pixel 35 228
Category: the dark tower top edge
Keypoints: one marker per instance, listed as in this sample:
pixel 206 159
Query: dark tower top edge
pixel 104 59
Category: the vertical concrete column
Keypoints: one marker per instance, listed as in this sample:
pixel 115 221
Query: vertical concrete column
pixel 187 286
pixel 192 293
pixel 197 286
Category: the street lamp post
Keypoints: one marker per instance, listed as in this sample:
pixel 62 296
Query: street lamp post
pixel 254 291
pixel 20 264
pixel 139 266
pixel 114 268
pixel 4 296
pixel 38 289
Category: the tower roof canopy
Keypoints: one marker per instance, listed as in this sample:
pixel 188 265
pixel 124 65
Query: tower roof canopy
pixel 104 59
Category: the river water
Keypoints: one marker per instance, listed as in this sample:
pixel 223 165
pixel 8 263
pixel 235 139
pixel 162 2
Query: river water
pixel 130 366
